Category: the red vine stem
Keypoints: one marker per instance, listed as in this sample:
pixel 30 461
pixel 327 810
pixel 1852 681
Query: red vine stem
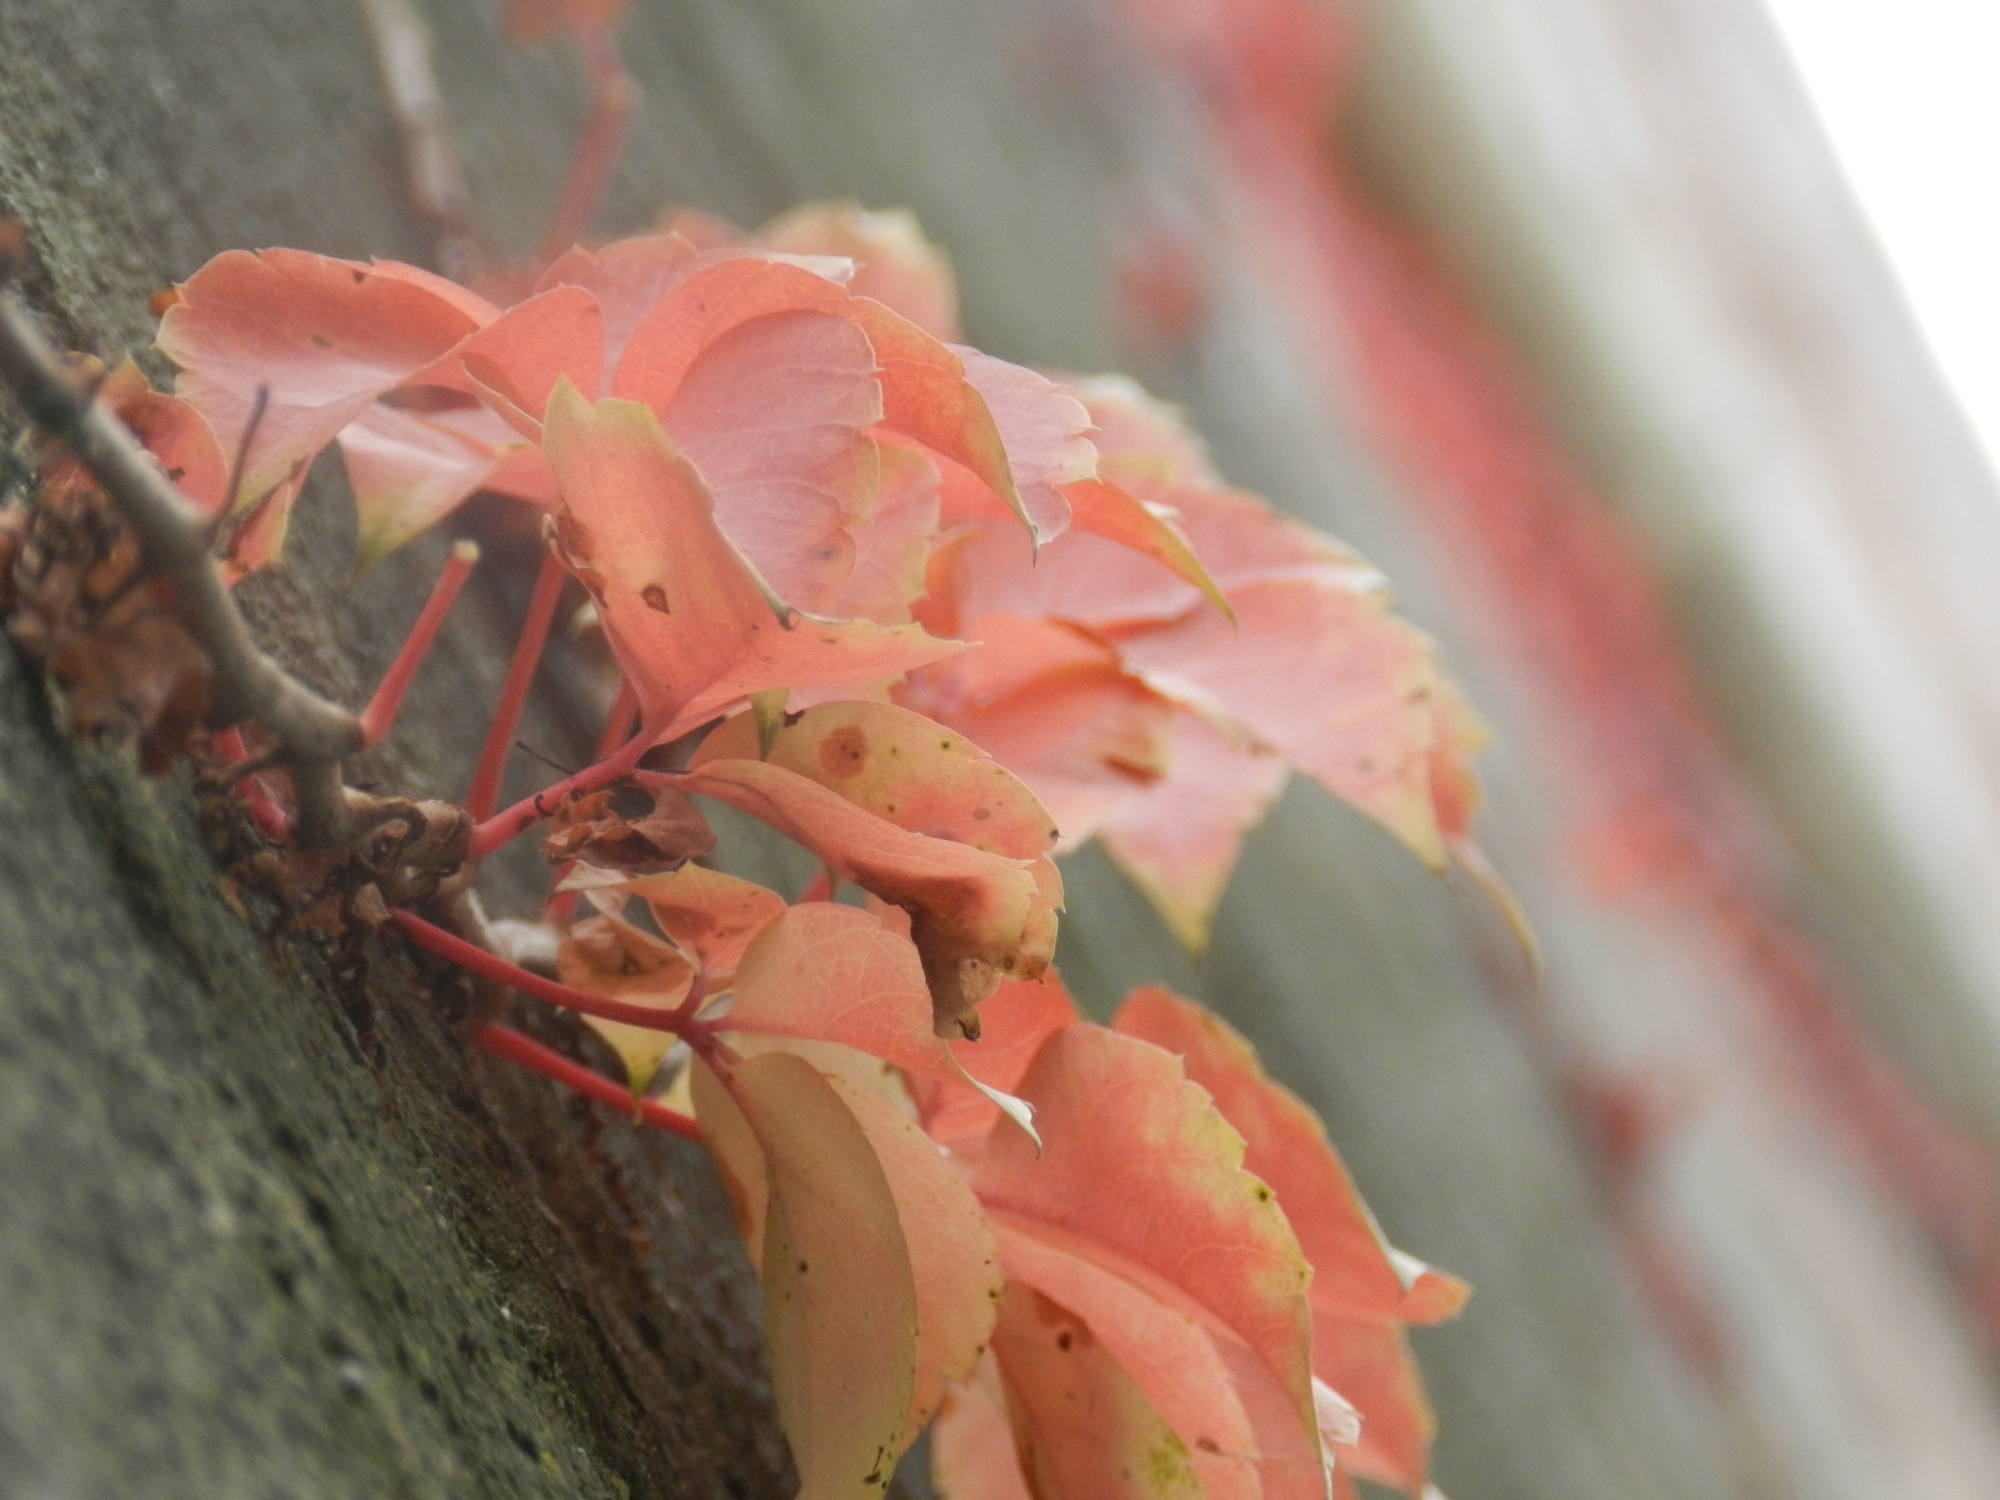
pixel 485 789
pixel 262 807
pixel 613 97
pixel 497 830
pixel 474 959
pixel 504 1041
pixel 381 710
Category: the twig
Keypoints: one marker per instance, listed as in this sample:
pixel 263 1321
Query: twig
pixel 316 735
pixel 436 173
pixel 613 98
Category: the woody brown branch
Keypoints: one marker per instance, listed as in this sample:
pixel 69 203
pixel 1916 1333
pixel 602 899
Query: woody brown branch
pixel 313 734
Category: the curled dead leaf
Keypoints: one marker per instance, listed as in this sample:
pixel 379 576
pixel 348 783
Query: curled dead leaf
pixel 665 837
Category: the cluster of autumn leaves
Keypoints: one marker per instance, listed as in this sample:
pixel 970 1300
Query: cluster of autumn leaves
pixel 948 617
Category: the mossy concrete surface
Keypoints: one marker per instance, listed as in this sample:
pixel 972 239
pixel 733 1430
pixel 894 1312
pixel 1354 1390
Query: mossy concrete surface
pixel 263 1233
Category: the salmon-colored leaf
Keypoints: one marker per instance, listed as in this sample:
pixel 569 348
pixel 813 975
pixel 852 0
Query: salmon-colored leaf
pixel 830 973
pixel 1363 1291
pixel 708 915
pixel 1328 677
pixel 976 918
pixel 1045 432
pixel 903 767
pixel 893 262
pixel 1369 1364
pixel 1354 1269
pixel 694 627
pixel 1014 1021
pixel 1168 1353
pixel 175 435
pixel 1141 1171
pixel 614 959
pixel 953 1259
pixel 553 335
pixel 1104 509
pixel 407 473
pixel 775 415
pixel 1178 839
pixel 892 546
pixel 1083 1427
pixel 321 337
pixel 840 1300
pixel 927 395
pixel 973 1456
pixel 627 277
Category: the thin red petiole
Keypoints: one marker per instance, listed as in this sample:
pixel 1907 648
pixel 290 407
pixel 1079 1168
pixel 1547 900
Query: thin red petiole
pixel 504 1041
pixel 485 789
pixel 477 960
pixel 381 710
pixel 509 824
pixel 262 807
pixel 613 97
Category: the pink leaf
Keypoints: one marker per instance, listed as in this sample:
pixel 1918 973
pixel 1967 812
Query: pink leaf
pixel 176 435
pixel 892 546
pixel 705 913
pixel 1354 1271
pixel 1014 1022
pixel 1330 678
pixel 627 277
pixel 618 961
pixel 693 626
pixel 1167 1352
pixel 1083 1427
pixel 840 1299
pixel 1054 706
pixel 973 1455
pixel 894 263
pixel 953 1260
pixel 553 335
pixel 926 395
pixel 975 917
pixel 1178 839
pixel 1104 509
pixel 1046 434
pixel 775 415
pixel 1141 1171
pixel 407 473
pixel 903 767
pixel 325 337
pixel 1363 1291
pixel 831 973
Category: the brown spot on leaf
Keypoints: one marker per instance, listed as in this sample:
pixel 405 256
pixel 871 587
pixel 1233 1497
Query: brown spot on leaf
pixel 844 752
pixel 655 598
